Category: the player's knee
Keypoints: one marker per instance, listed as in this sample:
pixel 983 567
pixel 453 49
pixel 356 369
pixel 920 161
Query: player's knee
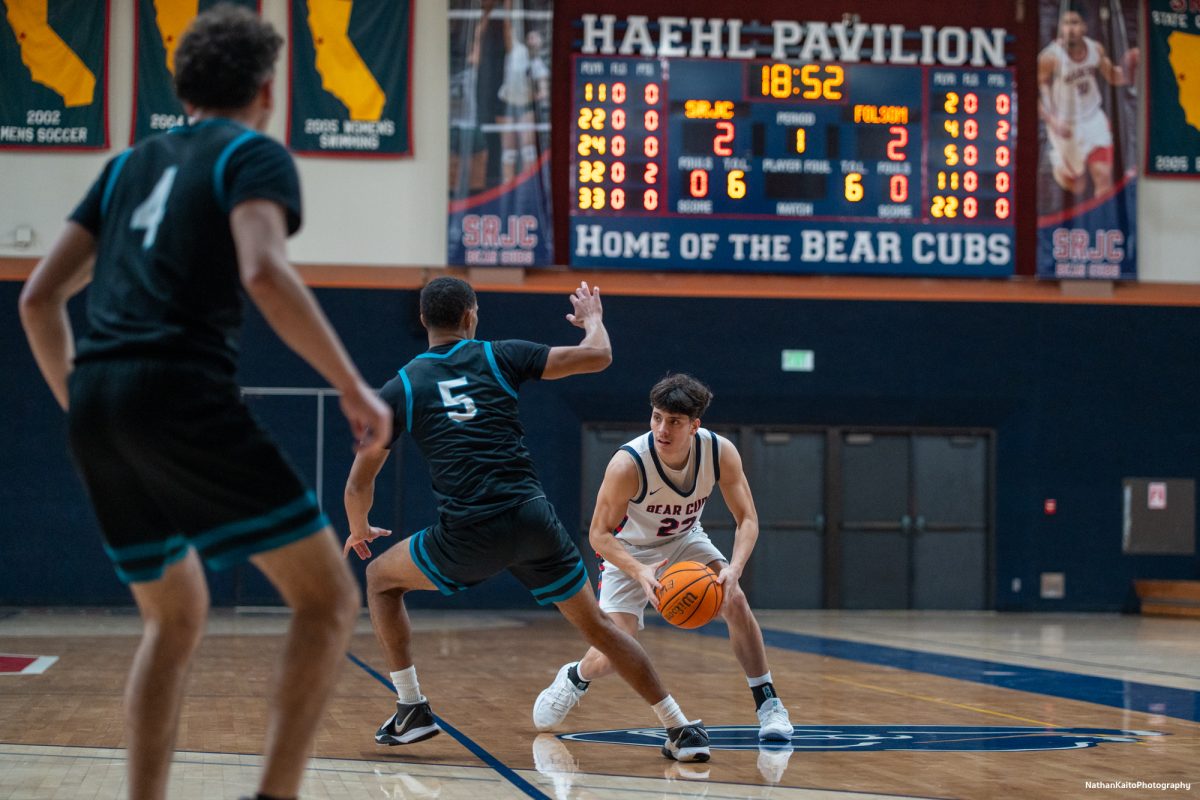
pixel 177 629
pixel 736 609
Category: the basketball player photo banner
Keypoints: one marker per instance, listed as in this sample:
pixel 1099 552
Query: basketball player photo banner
pixel 54 75
pixel 1087 168
pixel 1173 83
pixel 499 209
pixel 158 26
pixel 350 65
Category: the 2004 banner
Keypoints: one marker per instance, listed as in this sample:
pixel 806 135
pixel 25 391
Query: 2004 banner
pixel 1087 172
pixel 158 27
pixel 54 62
pixel 350 68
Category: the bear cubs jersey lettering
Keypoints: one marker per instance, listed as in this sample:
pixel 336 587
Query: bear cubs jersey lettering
pixel 662 510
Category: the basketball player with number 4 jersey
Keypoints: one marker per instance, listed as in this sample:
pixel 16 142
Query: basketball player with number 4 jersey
pixel 647 517
pixel 1077 129
pixel 458 400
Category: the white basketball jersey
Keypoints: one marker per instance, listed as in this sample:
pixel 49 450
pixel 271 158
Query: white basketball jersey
pixel 662 510
pixel 1074 91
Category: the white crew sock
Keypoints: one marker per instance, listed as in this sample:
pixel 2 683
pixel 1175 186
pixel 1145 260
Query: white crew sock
pixel 760 680
pixel 407 688
pixel 668 713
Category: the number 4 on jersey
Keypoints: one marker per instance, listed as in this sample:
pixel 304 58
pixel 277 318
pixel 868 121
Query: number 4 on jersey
pixel 450 400
pixel 149 214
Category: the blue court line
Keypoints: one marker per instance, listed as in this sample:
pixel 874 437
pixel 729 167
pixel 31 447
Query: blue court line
pixel 1127 695
pixel 483 755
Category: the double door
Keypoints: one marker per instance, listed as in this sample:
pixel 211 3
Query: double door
pixel 851 518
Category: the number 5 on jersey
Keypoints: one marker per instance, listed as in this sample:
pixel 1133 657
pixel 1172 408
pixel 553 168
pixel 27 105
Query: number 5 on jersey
pixel 450 400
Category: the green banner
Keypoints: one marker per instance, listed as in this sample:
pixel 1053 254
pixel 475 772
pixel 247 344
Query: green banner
pixel 350 66
pixel 158 27
pixel 1173 79
pixel 53 94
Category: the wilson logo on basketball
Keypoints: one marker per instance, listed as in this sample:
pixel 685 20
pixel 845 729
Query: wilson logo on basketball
pixel 691 595
pixel 682 605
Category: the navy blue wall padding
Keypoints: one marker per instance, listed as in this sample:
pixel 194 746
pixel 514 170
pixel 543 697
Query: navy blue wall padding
pixel 1080 396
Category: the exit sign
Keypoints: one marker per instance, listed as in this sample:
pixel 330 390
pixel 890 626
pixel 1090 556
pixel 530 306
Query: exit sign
pixel 797 360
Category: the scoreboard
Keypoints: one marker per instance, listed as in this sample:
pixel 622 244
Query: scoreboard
pixel 792 166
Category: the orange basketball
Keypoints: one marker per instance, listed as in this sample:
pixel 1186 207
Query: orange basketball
pixel 690 595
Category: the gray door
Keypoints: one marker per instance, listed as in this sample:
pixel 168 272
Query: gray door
pixel 875 521
pixel 786 471
pixel 950 492
pixel 914 522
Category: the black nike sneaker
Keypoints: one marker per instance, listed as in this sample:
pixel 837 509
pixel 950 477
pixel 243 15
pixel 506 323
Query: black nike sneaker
pixel 687 743
pixel 410 723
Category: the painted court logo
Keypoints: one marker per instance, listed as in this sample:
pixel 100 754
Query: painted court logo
pixel 934 738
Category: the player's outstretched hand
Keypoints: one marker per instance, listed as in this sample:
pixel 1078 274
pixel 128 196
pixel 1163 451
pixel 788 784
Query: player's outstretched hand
pixel 369 417
pixel 358 543
pixel 586 305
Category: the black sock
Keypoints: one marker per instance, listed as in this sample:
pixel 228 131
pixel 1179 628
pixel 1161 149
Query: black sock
pixel 261 796
pixel 763 693
pixel 573 677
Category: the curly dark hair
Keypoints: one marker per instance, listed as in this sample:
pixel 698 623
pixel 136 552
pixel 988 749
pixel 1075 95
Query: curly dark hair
pixel 224 57
pixel 444 300
pixel 680 393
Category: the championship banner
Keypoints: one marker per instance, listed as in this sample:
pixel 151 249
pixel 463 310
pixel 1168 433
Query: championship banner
pixel 1087 132
pixel 499 210
pixel 54 63
pixel 1173 81
pixel 350 64
pixel 158 27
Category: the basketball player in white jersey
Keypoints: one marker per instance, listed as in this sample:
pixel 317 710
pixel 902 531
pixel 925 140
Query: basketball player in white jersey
pixel 1078 130
pixel 647 517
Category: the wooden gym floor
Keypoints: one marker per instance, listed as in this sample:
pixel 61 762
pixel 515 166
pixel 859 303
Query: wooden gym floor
pixel 886 704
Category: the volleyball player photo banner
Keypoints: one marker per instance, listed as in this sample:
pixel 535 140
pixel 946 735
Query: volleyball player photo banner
pixel 1173 84
pixel 499 182
pixel 350 64
pixel 158 26
pixel 1087 132
pixel 54 75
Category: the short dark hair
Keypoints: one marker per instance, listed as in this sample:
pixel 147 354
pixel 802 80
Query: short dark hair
pixel 444 300
pixel 680 393
pixel 224 57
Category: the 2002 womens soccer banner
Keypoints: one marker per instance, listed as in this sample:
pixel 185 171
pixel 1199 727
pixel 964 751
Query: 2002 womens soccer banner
pixel 54 75
pixel 792 146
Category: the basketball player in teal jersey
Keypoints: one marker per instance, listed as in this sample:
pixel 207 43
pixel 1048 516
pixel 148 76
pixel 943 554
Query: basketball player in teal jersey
pixel 174 464
pixel 458 401
pixel 647 517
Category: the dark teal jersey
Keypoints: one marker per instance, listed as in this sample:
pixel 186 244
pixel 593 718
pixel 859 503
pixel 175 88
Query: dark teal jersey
pixel 166 282
pixel 459 403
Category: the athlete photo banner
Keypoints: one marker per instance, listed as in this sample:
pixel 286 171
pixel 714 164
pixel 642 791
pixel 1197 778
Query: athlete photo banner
pixel 499 182
pixel 350 63
pixel 54 68
pixel 158 27
pixel 1173 87
pixel 1087 139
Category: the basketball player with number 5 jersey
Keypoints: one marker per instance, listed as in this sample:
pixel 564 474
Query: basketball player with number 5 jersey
pixel 647 517
pixel 458 400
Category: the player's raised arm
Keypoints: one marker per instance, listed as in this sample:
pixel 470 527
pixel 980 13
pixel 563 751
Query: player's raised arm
pixel 621 483
pixel 735 489
pixel 594 353
pixel 62 274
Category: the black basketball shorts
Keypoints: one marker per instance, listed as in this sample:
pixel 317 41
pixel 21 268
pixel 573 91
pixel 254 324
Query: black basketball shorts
pixel 528 540
pixel 172 459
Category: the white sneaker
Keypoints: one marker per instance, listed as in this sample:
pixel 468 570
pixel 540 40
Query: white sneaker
pixel 773 761
pixel 556 700
pixel 552 759
pixel 773 722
